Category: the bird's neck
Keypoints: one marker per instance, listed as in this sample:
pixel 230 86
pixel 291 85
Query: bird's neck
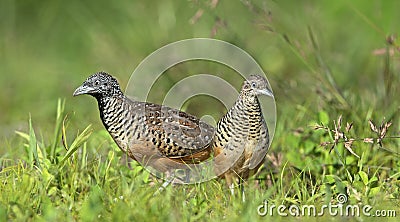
pixel 249 109
pixel 243 121
pixel 114 113
pixel 110 108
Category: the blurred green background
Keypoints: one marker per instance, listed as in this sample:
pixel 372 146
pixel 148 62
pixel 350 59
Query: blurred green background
pixel 323 59
pixel 49 47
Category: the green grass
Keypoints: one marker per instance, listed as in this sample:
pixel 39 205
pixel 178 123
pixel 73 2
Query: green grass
pixel 324 59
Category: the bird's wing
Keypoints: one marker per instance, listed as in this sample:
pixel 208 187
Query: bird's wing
pixel 261 149
pixel 180 134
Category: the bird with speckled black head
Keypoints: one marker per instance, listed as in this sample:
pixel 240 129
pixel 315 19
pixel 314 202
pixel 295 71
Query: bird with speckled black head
pixel 157 136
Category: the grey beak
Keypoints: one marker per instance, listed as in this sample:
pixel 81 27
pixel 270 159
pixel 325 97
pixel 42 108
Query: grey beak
pixel 83 89
pixel 266 92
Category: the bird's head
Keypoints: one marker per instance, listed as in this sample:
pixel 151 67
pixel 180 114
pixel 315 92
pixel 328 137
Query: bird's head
pixel 256 85
pixel 100 84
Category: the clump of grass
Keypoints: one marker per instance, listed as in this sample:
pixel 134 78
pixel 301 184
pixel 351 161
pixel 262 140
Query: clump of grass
pixel 41 156
pixel 41 174
pixel 366 172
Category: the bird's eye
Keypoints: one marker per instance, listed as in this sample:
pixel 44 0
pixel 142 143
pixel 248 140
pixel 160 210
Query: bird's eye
pixel 96 83
pixel 253 84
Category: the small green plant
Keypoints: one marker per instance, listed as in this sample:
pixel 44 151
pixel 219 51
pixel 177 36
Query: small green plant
pixel 361 180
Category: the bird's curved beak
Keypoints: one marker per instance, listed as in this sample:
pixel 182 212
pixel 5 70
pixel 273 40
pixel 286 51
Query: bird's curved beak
pixel 83 89
pixel 266 92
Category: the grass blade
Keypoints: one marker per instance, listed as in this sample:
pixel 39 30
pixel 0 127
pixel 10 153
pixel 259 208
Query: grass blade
pixel 79 140
pixel 33 154
pixel 57 129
